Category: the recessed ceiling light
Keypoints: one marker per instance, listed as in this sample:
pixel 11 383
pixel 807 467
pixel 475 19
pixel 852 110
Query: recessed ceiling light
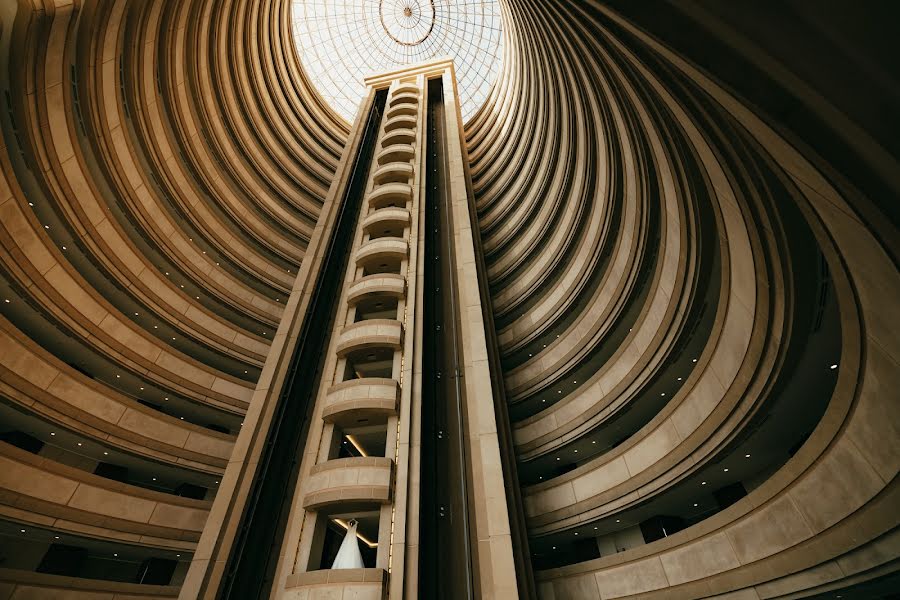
pixel 746 456
pixel 834 366
pixel 725 469
pixel 22 530
pixel 695 504
pixel 576 533
pixel 106 454
pixel 702 483
pixel 52 433
pixel 679 379
pixel 554 547
pixel 55 537
pixel 695 360
pixel 576 452
pixel 595 529
pixel 594 441
pixel 79 443
pixel 618 520
pixel 557 458
pixel 663 394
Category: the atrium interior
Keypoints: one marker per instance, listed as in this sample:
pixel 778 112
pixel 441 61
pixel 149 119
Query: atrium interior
pixel 395 299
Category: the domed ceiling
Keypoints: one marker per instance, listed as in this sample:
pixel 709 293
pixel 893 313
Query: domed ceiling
pixel 341 42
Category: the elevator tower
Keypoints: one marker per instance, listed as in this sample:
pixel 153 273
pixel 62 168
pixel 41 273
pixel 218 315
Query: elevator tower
pixel 399 425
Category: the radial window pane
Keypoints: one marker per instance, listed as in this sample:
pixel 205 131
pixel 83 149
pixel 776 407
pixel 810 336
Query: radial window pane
pixel 343 41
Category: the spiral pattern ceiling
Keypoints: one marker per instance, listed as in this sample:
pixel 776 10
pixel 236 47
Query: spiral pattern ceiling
pixel 691 293
pixel 340 42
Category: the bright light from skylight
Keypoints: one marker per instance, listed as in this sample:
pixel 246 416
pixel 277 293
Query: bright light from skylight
pixel 342 41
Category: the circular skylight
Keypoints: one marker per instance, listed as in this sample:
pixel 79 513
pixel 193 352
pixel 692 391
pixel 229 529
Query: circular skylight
pixel 343 41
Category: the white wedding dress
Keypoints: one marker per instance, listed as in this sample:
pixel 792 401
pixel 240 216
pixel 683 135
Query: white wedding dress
pixel 349 556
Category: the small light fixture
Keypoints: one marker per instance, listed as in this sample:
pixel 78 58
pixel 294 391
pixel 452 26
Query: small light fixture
pixel 833 367
pixel 725 469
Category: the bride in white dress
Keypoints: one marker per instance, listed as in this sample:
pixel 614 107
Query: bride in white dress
pixel 349 556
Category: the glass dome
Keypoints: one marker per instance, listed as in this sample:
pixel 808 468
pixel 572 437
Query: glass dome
pixel 342 41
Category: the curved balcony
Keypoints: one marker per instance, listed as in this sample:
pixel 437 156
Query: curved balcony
pixel 396 153
pixel 359 584
pixel 27 584
pixel 387 284
pixel 350 401
pixel 402 109
pixel 388 222
pixel 400 122
pixel 382 249
pixel 399 136
pixel 390 194
pixel 396 172
pixel 36 489
pixel 405 90
pixel 350 481
pixel 371 333
pixel 40 382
